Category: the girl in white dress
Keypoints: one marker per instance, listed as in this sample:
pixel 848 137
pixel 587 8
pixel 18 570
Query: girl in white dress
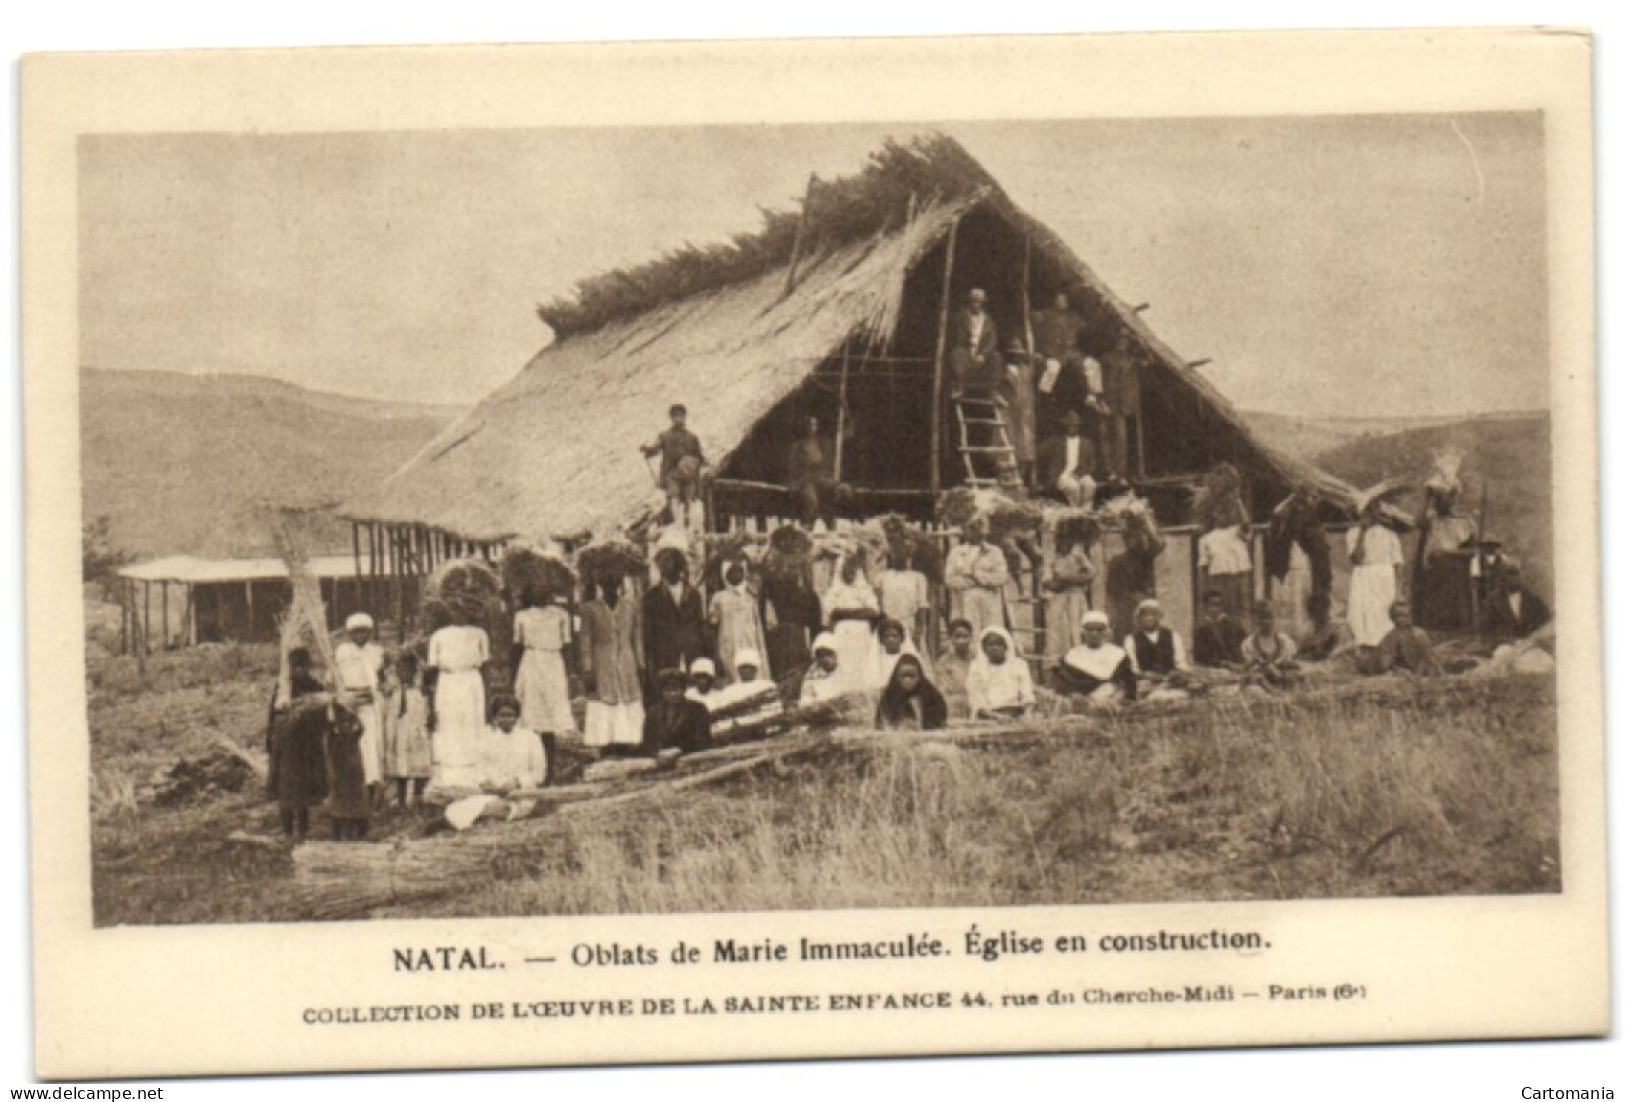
pixel 1377 560
pixel 542 628
pixel 457 652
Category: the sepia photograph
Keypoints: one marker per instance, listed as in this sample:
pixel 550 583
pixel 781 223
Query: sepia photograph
pixel 884 529
pixel 1081 574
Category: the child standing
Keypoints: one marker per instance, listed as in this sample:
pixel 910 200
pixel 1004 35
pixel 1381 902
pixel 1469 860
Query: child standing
pixel 405 713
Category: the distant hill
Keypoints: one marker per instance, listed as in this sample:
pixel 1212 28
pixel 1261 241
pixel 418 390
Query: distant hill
pixel 1512 453
pixel 191 463
pixel 1309 437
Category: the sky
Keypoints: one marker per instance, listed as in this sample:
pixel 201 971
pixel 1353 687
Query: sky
pixel 1329 266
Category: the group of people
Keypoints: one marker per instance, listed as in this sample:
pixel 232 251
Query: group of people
pixel 1070 402
pixel 377 725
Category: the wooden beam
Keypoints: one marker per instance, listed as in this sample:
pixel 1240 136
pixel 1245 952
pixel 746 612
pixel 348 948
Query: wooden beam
pixel 840 410
pixel 942 348
pixel 801 234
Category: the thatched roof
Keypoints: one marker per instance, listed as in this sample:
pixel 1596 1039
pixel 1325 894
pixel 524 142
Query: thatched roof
pixel 555 451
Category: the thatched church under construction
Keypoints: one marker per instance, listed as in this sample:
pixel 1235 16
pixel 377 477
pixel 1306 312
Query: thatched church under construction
pixel 834 311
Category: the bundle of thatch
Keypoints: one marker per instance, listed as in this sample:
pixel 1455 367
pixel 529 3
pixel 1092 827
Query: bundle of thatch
pixel 909 549
pixel 611 556
pixel 469 591
pixel 526 567
pixel 788 555
pixel 1004 515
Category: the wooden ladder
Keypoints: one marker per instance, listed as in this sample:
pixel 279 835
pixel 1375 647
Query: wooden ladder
pixel 989 415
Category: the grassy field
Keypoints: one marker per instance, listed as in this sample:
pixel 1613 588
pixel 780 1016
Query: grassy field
pixel 1448 788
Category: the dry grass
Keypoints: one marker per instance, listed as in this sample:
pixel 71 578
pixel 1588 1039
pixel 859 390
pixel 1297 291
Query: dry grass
pixel 1448 788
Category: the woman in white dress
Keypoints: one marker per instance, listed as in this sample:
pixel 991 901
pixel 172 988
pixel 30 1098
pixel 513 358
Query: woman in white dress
pixel 736 621
pixel 456 653
pixel 1378 562
pixel 542 629
pixel 851 609
pixel 360 661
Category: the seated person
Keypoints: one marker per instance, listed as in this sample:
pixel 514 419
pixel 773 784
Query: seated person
pixel 1406 648
pixel 1269 658
pixel 999 684
pixel 510 756
pixel 1157 655
pixel 751 701
pixel 1218 636
pixel 702 676
pixel 823 682
pixel 909 701
pixel 674 722
pixel 894 644
pixel 1511 611
pixel 1065 463
pixel 954 667
pixel 1097 669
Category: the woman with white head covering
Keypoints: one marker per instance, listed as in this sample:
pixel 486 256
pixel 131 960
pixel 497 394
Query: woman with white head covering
pixel 999 684
pixel 851 609
pixel 750 701
pixel 1097 669
pixel 823 682
pixel 1378 562
pixel 359 661
pixel 736 621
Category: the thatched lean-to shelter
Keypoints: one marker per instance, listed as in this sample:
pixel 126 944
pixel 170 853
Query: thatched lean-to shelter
pixel 835 313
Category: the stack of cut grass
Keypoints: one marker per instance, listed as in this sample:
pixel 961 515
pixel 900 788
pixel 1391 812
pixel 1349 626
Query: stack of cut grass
pixel 529 568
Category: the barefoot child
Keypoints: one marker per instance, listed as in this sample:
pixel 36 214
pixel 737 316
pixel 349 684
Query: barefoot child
pixel 405 714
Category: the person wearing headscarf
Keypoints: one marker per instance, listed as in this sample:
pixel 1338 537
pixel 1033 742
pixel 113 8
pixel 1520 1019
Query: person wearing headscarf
pixel 1097 669
pixel 999 685
pixel 823 683
pixel 736 620
pixel 1156 653
pixel 910 702
pixel 542 631
pixel 359 662
pixel 612 663
pixel 851 609
pixel 702 682
pixel 1378 562
pixel 674 721
pixel 751 701
pixel 976 574
pixel 457 652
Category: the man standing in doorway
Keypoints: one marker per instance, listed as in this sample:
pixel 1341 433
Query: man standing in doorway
pixel 1119 401
pixel 1059 364
pixel 973 349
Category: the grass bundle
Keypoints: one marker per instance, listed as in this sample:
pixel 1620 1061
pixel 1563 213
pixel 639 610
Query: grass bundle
pixel 612 556
pixel 470 590
pixel 908 549
pixel 525 567
pixel 1005 516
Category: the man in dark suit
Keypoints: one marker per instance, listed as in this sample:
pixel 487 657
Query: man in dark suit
pixel 1061 383
pixel 673 619
pixel 1512 612
pixel 1065 463
pixel 974 362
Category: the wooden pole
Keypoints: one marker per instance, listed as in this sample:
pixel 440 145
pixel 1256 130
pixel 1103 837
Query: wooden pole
pixel 146 617
pixel 163 640
pixel 124 634
pixel 191 615
pixel 840 410
pixel 942 348
pixel 248 594
pixel 1026 289
pixel 355 550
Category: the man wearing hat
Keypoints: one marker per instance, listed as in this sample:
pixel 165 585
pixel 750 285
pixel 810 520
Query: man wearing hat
pixel 359 661
pixel 973 349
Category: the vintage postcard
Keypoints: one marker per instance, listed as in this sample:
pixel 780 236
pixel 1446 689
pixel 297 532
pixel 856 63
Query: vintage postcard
pixel 686 552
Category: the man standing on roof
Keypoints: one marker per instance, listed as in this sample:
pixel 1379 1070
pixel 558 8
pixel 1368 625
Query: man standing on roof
pixel 1118 400
pixel 1060 365
pixel 681 462
pixel 973 349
